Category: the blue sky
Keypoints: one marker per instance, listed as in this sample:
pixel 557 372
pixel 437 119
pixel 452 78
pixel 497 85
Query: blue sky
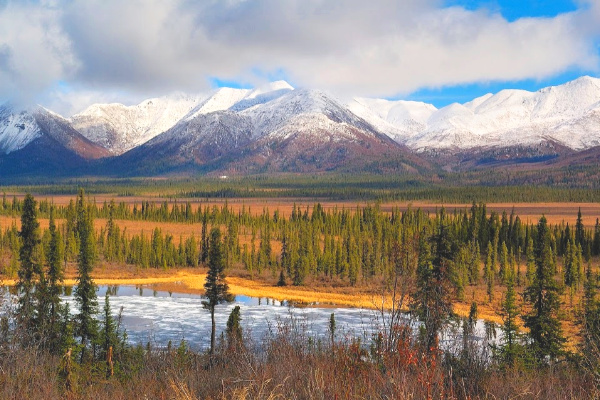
pixel 443 96
pixel 68 54
pixel 515 9
pixel 440 96
pixel 511 10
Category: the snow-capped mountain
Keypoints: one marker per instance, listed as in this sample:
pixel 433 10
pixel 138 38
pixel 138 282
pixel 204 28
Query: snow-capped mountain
pixel 566 114
pixel 398 119
pixel 308 130
pixel 196 141
pixel 36 140
pixel 17 129
pixel 239 99
pixel 20 128
pixel 277 127
pixel 120 128
pixel 272 116
pixel 275 130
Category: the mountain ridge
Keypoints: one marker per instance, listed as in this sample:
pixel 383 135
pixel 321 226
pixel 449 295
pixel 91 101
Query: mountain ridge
pixel 275 126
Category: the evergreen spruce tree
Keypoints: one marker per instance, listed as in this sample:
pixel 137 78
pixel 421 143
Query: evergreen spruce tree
pixel 204 237
pixel 510 313
pixel 55 259
pixel 191 252
pixel 67 331
pixel 216 290
pixel 286 262
pixel 112 237
pixel 431 301
pixel 71 246
pixel 579 230
pixel 281 281
pixel 300 270
pixel 85 293
pixel 578 265
pixel 589 322
pixel 504 263
pixel 529 254
pixel 569 276
pixel 234 328
pixel 489 273
pixel 332 327
pixel 543 296
pixel 264 249
pixel 108 336
pixel 474 262
pixel 596 240
pixel 29 267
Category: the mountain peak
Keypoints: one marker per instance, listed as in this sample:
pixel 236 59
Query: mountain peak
pixel 585 79
pixel 279 85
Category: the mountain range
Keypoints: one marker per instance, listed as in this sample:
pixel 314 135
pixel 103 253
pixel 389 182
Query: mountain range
pixel 276 128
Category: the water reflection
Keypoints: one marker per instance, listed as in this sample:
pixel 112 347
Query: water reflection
pixel 160 317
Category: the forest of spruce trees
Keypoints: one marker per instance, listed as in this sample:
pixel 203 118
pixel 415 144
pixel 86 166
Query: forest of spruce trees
pixel 424 262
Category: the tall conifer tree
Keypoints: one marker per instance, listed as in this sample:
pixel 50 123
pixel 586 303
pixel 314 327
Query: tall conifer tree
pixel 510 328
pixel 216 290
pixel 55 259
pixel 432 300
pixel 29 268
pixel 85 293
pixel 543 296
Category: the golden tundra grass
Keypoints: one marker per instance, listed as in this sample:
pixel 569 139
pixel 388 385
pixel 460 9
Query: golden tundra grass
pixel 528 212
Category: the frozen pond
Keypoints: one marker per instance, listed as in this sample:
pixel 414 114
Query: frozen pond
pixel 159 317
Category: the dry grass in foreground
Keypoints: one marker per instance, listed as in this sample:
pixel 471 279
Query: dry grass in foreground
pixel 287 367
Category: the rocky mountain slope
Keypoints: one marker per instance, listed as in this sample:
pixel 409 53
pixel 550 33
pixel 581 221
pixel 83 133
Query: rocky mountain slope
pixel 300 130
pixel 39 141
pixel 278 128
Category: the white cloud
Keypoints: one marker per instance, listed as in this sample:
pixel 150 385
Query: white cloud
pixel 369 48
pixel 34 51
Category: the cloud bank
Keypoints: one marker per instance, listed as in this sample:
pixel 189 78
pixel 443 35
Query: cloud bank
pixel 368 48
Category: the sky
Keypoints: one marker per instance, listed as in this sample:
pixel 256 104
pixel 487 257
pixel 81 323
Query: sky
pixel 68 54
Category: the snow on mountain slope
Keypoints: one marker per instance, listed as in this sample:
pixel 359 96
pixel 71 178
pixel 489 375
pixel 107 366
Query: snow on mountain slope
pixel 60 130
pixel 263 94
pixel 18 128
pixel 562 113
pixel 311 142
pixel 207 127
pixel 399 119
pixel 297 130
pixel 220 100
pixel 277 114
pixel 42 129
pixel 191 143
pixel 119 128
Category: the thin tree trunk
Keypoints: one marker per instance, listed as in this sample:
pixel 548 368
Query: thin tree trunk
pixel 212 333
